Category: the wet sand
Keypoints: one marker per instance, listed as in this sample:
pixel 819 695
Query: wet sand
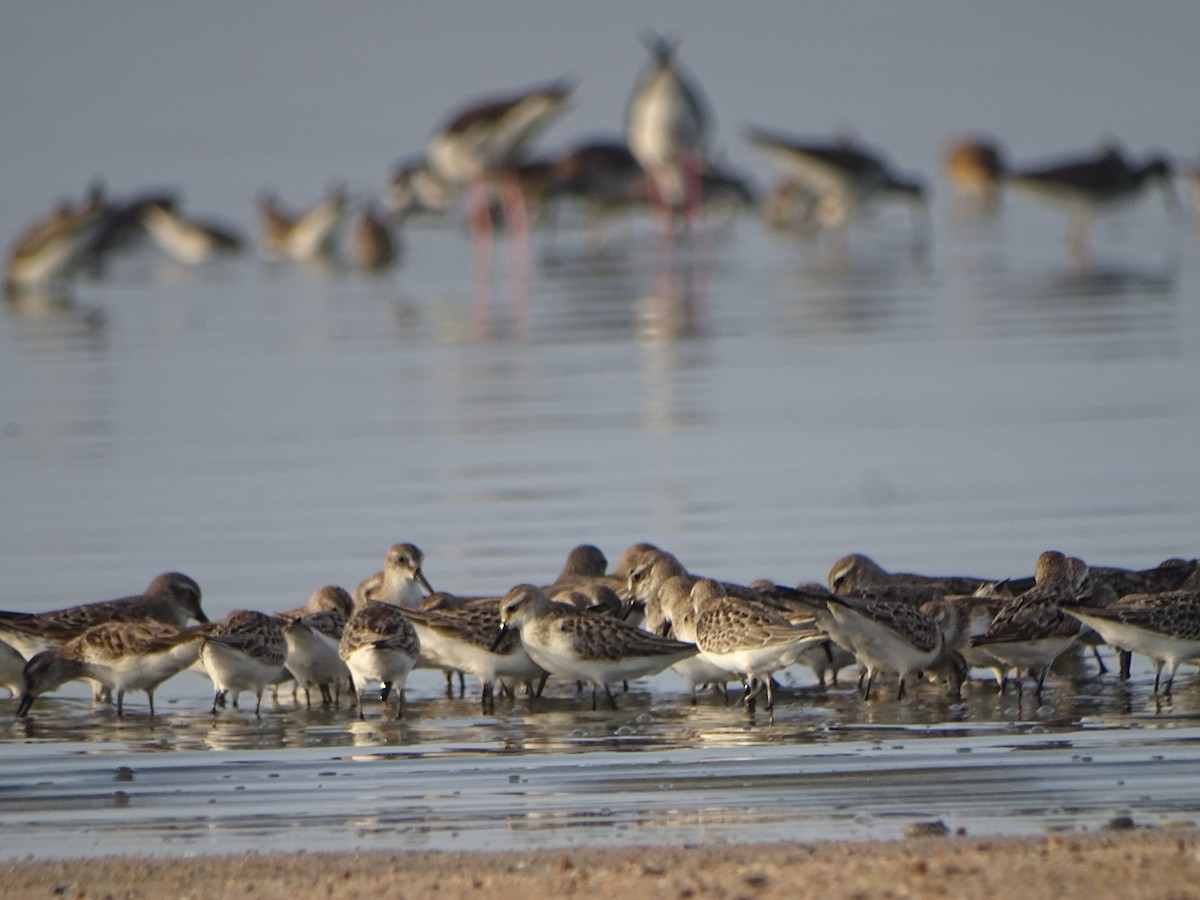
pixel 1115 863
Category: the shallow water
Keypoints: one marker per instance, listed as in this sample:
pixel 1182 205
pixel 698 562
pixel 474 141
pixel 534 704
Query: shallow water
pixel 656 770
pixel 757 406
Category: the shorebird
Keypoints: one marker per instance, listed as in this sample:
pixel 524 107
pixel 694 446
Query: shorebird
pixel 796 604
pixel 466 636
pixel 121 656
pixel 843 178
pixel 12 665
pixel 1169 575
pixel 51 249
pixel 1088 184
pixel 327 598
pixel 602 174
pixel 1163 626
pixel 171 598
pixel 187 239
pixel 968 616
pixel 401 580
pixel 313 633
pixel 749 639
pixel 886 635
pixel 1031 631
pixel 379 645
pixel 304 236
pixel 583 647
pixel 121 227
pixel 483 141
pixel 671 613
pixel 668 127
pixel 416 189
pixel 585 572
pixel 245 651
pixel 858 571
pixel 975 168
pixel 312 654
pixel 372 245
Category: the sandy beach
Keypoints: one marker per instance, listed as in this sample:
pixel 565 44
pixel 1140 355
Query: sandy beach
pixel 1118 863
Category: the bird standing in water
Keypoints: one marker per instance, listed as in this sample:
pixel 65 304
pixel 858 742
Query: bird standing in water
pixel 480 146
pixel 668 129
pixel 1093 183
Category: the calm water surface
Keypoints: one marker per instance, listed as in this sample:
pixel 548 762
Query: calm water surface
pixel 757 406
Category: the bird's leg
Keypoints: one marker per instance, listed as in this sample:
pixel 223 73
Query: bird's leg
pixel 489 698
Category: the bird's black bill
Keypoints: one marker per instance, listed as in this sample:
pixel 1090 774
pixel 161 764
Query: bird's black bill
pixel 499 638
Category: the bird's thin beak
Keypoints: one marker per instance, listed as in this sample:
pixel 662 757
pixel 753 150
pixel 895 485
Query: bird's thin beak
pixel 424 582
pixel 499 638
pixel 24 703
pixel 201 617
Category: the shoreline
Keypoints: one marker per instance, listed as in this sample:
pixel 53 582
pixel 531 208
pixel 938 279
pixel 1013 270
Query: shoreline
pixel 1116 864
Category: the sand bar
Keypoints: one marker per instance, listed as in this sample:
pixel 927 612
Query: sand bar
pixel 1118 864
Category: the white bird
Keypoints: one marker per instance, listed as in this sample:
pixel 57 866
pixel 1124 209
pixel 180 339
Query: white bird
pixel 668 127
pixel 189 240
pixel 245 651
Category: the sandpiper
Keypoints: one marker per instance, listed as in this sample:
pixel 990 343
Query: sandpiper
pixel 843 176
pixel 245 651
pixel 304 236
pixel 466 637
pixel 12 665
pixel 1091 183
pixel 379 645
pixel 796 604
pixel 372 244
pixel 585 572
pixel 50 250
pixel 171 598
pixel 584 647
pixel 122 656
pixel 1163 626
pixel 968 616
pixel 975 167
pixel 749 639
pixel 859 571
pixel 886 635
pixel 312 651
pixel 668 126
pixel 671 612
pixel 1031 631
pixel 401 580
pixel 187 239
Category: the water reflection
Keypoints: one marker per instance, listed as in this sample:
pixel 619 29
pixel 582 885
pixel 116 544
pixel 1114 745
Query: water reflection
pixel 652 714
pixel 657 769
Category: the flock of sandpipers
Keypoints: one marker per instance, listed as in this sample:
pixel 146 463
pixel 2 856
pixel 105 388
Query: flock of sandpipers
pixel 664 160
pixel 604 628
